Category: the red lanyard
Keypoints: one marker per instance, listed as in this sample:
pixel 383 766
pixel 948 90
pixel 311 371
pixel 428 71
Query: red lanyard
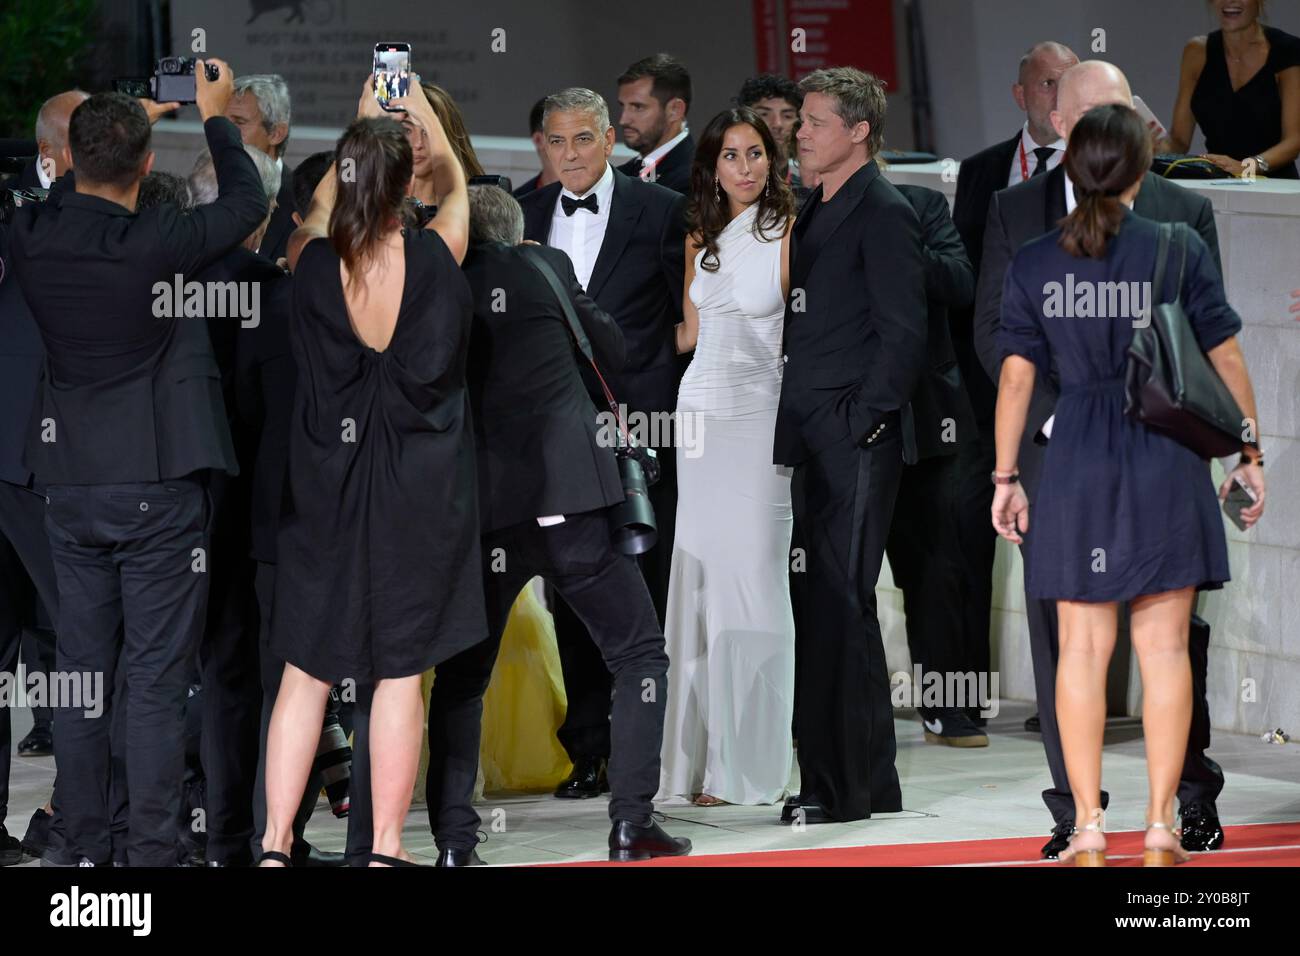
pixel 1024 163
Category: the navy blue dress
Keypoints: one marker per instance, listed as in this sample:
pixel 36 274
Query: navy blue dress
pixel 1123 511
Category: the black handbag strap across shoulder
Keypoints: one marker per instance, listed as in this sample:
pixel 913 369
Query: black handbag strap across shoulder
pixel 1170 233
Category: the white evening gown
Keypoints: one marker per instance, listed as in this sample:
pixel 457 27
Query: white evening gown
pixel 729 626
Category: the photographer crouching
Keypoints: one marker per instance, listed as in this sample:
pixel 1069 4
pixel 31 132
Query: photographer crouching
pixel 128 421
pixel 546 484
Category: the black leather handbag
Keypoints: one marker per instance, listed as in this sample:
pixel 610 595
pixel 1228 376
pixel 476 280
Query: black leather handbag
pixel 1169 384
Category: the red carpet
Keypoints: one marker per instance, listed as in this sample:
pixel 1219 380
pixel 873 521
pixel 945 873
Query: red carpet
pixel 1263 844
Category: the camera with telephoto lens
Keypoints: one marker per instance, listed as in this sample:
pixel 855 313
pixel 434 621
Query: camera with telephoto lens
pixel 334 758
pixel 172 81
pixel 632 521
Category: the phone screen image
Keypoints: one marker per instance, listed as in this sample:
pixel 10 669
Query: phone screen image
pixel 392 72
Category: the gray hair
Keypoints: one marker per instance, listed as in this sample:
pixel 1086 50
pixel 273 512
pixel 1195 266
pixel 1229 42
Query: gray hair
pixel 272 95
pixel 494 216
pixel 859 97
pixel 52 120
pixel 578 99
pixel 203 177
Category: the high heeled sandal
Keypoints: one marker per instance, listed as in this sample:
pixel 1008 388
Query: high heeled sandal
pixel 1163 855
pixel 1092 856
pixel 275 856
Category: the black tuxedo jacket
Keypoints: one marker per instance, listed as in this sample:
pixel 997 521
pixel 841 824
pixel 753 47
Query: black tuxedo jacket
pixel 673 171
pixel 978 179
pixel 939 419
pixel 21 358
pixel 133 393
pixel 540 449
pixel 637 279
pixel 281 226
pixel 855 322
pixel 1032 209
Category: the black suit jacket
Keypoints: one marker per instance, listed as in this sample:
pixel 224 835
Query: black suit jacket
pixel 21 357
pixel 673 171
pixel 132 394
pixel 855 323
pixel 265 378
pixel 637 279
pixel 540 449
pixel 939 419
pixel 1032 209
pixel 978 179
pixel 281 226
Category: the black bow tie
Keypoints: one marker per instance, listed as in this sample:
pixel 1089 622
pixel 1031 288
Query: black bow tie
pixel 571 205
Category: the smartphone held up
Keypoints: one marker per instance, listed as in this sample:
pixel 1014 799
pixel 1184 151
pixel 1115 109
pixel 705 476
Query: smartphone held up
pixel 392 73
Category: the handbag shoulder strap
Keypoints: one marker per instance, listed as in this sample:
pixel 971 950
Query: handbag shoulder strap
pixel 1162 260
pixel 570 316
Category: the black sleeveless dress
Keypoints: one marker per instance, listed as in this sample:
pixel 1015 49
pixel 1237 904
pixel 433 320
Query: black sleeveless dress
pixel 1246 122
pixel 378 573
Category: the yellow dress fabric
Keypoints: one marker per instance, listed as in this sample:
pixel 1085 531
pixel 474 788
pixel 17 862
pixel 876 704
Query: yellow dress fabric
pixel 524 704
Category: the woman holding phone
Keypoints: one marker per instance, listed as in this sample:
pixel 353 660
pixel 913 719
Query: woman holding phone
pixel 378 578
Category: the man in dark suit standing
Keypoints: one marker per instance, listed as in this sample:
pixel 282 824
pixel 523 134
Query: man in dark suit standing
pixel 855 331
pixel 654 96
pixel 547 174
pixel 1015 216
pixel 626 240
pixel 924 546
pixel 546 481
pixel 128 419
pixel 260 109
pixel 1033 151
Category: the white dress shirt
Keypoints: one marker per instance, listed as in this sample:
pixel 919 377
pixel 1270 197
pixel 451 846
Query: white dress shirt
pixel 1026 148
pixel 651 159
pixel 582 234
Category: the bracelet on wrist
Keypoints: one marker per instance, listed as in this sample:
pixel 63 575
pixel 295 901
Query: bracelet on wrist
pixel 1005 477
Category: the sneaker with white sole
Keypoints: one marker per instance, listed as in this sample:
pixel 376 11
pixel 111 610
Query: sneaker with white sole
pixel 952 728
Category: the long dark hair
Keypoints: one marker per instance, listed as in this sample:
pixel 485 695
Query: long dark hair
pixel 453 124
pixel 1109 150
pixel 374 168
pixel 707 214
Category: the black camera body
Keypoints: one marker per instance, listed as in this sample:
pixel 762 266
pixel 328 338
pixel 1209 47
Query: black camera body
pixel 172 81
pixel 632 524
pixel 11 200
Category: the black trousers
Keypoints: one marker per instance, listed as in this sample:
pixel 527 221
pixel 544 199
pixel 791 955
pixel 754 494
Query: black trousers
pixel 843 501
pixel 28 585
pixel 231 677
pixel 585 731
pixel 926 560
pixel 271 671
pixel 608 594
pixel 977 545
pixel 124 557
pixel 1202 778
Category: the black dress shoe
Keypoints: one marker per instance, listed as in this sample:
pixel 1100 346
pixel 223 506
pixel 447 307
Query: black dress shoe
pixel 628 842
pixel 37 837
pixel 11 850
pixel 587 780
pixel 805 810
pixel 39 742
pixel 458 856
pixel 1061 834
pixel 304 854
pixel 1032 726
pixel 1201 830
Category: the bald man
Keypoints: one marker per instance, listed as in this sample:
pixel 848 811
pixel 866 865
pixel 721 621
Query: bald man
pixel 1015 216
pixel 1035 149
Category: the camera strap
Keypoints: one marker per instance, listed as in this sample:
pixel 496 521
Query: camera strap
pixel 575 328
